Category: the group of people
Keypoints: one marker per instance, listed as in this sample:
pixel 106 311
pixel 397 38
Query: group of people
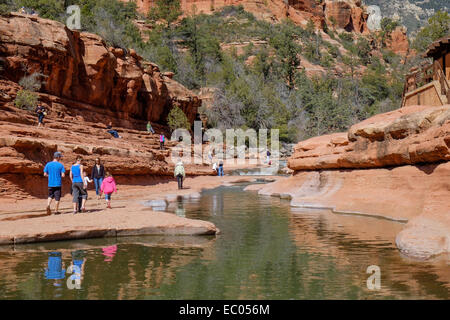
pixel 55 171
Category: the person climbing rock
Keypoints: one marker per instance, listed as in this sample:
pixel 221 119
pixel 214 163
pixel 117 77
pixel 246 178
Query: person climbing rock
pixel 55 171
pixel 41 113
pixel 162 139
pixel 114 133
pixel 108 187
pixel 98 174
pixel 150 128
pixel 77 178
pixel 179 173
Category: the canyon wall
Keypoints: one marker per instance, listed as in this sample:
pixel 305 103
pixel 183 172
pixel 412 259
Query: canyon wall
pixel 79 67
pixel 393 166
pixel 346 14
pixel 85 85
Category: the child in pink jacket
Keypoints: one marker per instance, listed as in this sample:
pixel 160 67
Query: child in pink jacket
pixel 108 187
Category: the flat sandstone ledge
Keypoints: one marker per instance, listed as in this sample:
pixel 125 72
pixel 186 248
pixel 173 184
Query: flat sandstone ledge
pixel 111 223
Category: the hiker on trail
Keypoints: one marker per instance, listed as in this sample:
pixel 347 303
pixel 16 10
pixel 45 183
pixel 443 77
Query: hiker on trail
pixel 220 169
pixel 114 133
pixel 179 173
pixel 161 141
pixel 108 187
pixel 98 174
pixel 54 170
pixel 268 157
pixel 84 197
pixel 41 113
pixel 150 128
pixel 77 176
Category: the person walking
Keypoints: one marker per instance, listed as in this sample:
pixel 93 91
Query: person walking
pixel 77 177
pixel 98 174
pixel 179 173
pixel 161 141
pixel 220 169
pixel 55 171
pixel 268 157
pixel 108 187
pixel 150 128
pixel 41 113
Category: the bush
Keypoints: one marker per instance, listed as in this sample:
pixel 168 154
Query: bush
pixel 26 99
pixel 32 82
pixel 177 119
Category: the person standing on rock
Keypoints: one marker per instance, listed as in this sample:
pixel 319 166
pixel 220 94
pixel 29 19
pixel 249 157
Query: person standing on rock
pixel 161 141
pixel 77 177
pixel 98 174
pixel 54 170
pixel 179 174
pixel 40 111
pixel 150 128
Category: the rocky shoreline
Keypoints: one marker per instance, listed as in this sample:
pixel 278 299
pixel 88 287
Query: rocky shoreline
pixel 24 221
pixel 392 166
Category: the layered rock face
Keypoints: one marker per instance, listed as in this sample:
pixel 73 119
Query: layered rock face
pixel 85 85
pixel 398 41
pixel 80 67
pixel 349 14
pixel 393 165
pixel 411 135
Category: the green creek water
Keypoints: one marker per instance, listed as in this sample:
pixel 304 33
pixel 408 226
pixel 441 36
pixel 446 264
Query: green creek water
pixel 266 250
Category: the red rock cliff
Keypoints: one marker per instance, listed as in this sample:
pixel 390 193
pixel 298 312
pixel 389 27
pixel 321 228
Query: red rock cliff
pixel 349 14
pixel 80 67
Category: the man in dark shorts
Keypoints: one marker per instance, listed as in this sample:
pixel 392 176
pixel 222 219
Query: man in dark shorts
pixel 54 170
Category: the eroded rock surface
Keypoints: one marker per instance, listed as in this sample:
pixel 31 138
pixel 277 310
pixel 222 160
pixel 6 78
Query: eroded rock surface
pixel 393 165
pixel 81 72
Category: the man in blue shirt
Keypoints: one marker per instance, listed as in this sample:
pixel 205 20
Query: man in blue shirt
pixel 54 170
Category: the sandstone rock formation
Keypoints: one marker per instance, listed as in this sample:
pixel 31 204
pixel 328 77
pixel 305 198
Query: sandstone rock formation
pixel 85 85
pixel 398 41
pixel 349 14
pixel 393 165
pixel 79 67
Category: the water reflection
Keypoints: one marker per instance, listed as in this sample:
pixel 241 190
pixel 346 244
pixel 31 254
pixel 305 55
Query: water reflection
pixel 55 268
pixel 265 251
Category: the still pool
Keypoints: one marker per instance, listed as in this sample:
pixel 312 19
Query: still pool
pixel 266 250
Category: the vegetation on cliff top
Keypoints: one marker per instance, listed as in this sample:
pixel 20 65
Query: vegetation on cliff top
pixel 261 85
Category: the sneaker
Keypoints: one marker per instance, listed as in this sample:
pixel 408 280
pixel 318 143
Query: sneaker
pixel 108 206
pixel 49 212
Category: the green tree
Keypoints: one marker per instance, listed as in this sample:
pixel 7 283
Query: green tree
pixel 167 10
pixel 287 51
pixel 177 119
pixel 438 26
